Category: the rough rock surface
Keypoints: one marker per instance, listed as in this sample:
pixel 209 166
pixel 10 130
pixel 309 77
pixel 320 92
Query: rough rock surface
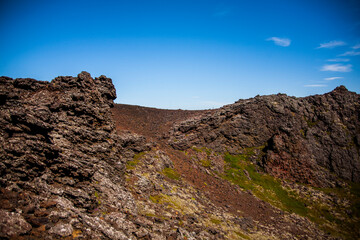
pixel 12 224
pixel 302 139
pixel 67 173
pixel 60 154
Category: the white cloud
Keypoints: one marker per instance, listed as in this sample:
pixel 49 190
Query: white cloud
pixel 332 44
pixel 350 53
pixel 315 85
pixel 283 42
pixel 338 60
pixel 332 78
pixel 337 67
pixel 357 46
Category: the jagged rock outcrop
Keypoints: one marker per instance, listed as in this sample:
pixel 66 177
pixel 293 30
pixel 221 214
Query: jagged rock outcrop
pixel 302 139
pixel 45 125
pixel 60 157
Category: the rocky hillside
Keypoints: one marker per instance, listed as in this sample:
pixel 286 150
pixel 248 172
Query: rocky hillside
pixel 314 140
pixel 76 166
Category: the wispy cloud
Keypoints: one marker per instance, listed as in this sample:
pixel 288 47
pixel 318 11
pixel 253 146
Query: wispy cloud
pixel 332 44
pixel 332 78
pixel 357 46
pixel 349 53
pixel 283 42
pixel 337 67
pixel 338 60
pixel 315 85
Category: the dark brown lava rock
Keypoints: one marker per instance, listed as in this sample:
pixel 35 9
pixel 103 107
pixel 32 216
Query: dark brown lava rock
pixel 303 139
pixel 65 172
pixel 59 155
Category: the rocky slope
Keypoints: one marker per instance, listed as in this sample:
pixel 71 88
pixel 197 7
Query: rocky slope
pixel 313 140
pixel 74 166
pixel 150 122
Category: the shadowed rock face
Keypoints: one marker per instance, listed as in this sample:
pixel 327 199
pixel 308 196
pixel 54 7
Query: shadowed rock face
pixel 303 139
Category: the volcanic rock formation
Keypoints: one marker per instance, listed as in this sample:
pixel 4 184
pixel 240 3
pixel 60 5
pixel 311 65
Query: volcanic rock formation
pixel 303 139
pixel 68 170
pixel 59 152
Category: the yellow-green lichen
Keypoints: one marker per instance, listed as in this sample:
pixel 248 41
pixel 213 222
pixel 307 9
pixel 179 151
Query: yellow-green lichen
pixel 240 234
pixel 205 163
pixel 97 196
pixel 175 203
pixel 215 220
pixel 171 173
pixel 136 159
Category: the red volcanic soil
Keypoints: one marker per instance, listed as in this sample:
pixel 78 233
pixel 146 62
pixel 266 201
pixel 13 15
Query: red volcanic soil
pixel 155 124
pixel 149 122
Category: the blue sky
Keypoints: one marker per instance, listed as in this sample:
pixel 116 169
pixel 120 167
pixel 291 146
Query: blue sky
pixel 186 54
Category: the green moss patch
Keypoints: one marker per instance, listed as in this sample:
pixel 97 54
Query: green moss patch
pixel 242 235
pixel 156 198
pixel 171 173
pixel 136 159
pixel 332 219
pixel 262 185
pixel 174 203
pixel 208 151
pixel 215 220
pixel 203 159
pixel 205 163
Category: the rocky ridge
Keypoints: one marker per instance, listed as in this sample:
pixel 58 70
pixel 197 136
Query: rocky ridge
pixel 306 140
pixel 69 171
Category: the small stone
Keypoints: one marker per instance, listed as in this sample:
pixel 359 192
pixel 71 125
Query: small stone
pixel 48 204
pixel 247 174
pixel 142 232
pixel 5 204
pixel 38 221
pixel 41 213
pixel 12 224
pixel 42 228
pixel 29 209
pixel 61 229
